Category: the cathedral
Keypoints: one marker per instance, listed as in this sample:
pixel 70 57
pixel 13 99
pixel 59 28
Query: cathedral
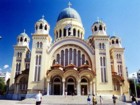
pixel 69 64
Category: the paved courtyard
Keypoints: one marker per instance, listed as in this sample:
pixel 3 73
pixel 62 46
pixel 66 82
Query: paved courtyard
pixel 14 102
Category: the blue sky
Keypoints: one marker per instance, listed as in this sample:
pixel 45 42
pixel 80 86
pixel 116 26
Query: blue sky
pixel 122 18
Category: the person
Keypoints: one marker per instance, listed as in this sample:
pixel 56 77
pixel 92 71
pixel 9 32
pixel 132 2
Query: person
pixel 94 101
pixel 101 100
pixel 134 101
pixel 123 98
pixel 66 93
pixel 38 98
pixel 114 99
pixel 88 100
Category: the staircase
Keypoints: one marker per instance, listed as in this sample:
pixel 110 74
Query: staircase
pixel 68 100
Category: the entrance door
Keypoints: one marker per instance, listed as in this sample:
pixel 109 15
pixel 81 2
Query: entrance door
pixel 84 89
pixel 56 89
pixel 70 89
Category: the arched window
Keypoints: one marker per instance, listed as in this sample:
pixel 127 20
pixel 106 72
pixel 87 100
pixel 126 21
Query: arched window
pixel 36 27
pixel 66 57
pixel 56 34
pixel 37 44
pixel 112 41
pixel 70 55
pixel 25 40
pixel 70 80
pixel 103 46
pixel 41 26
pixel 41 44
pixel 84 80
pixel 64 31
pixel 74 32
pixel 39 59
pixel 53 62
pixel 87 62
pixel 75 56
pixel 21 39
pixel 62 57
pixel 95 28
pixel 60 33
pixel 45 27
pixel 58 58
pixel 100 27
pixel 100 46
pixel 83 58
pixel 78 33
pixel 79 58
pixel 36 59
pixel 117 41
pixel 101 61
pixel 57 80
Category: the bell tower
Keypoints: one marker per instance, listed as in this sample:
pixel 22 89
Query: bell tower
pixel 40 45
pixel 19 64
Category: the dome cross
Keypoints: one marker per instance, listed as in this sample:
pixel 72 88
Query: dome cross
pixel 69 4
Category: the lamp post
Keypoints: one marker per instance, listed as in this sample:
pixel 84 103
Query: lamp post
pixel 135 84
pixel 0 37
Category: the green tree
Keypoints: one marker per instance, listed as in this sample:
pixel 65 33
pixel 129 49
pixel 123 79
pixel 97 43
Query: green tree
pixel 2 86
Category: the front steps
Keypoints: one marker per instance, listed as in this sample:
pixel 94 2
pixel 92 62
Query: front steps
pixel 68 100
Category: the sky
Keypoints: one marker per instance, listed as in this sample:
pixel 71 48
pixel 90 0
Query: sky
pixel 122 18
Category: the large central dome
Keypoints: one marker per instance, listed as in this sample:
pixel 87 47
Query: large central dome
pixel 69 13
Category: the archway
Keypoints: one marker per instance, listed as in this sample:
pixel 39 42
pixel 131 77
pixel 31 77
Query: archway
pixel 57 85
pixel 71 85
pixel 84 86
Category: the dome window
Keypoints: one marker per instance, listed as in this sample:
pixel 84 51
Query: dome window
pixel 78 33
pixel 64 32
pixel 45 27
pixel 60 33
pixel 56 34
pixel 74 32
pixel 95 28
pixel 100 27
pixel 41 26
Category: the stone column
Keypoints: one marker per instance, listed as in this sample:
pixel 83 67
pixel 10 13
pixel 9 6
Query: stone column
pixel 121 90
pixel 63 93
pixel 48 87
pixel 90 88
pixel 94 90
pixel 78 88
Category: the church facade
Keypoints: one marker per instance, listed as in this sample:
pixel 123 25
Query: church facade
pixel 70 64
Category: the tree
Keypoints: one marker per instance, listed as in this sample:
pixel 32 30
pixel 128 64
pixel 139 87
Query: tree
pixel 2 86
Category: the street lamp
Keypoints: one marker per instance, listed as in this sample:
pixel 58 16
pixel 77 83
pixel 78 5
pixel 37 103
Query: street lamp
pixel 0 37
pixel 135 84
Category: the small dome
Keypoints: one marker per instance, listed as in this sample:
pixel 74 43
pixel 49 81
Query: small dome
pixel 23 34
pixel 69 13
pixel 113 37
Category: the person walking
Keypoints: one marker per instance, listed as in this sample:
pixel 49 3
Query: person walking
pixel 101 100
pixel 134 101
pixel 88 100
pixel 94 101
pixel 38 98
pixel 114 99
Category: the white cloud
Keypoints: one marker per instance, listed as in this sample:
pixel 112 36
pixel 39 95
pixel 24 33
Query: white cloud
pixel 0 69
pixel 5 66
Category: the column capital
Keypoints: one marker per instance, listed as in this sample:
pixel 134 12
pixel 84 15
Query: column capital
pixel 63 80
